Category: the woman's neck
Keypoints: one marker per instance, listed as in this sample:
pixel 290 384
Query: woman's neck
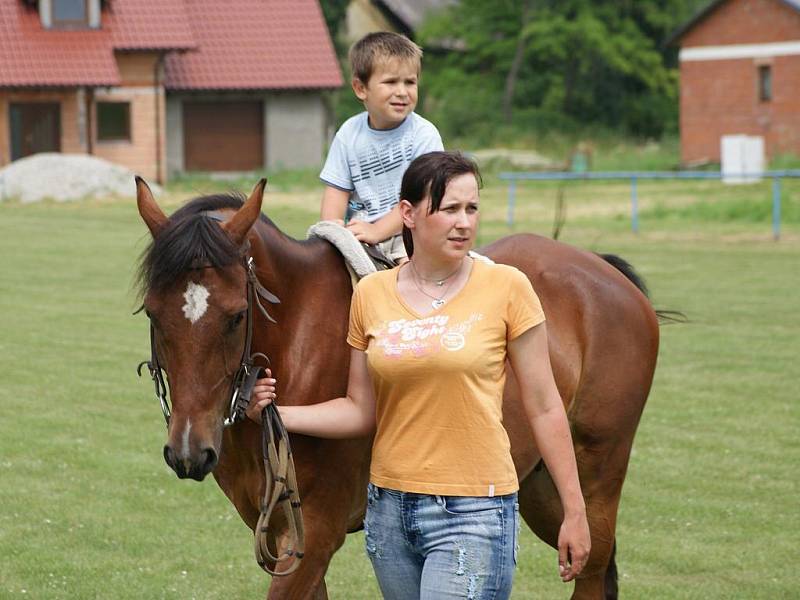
pixel 431 270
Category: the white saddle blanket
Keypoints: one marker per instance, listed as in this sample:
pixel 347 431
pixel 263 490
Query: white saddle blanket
pixel 352 250
pixel 346 243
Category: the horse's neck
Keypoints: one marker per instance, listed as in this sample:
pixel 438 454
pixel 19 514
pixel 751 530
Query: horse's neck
pixel 314 289
pixel 295 269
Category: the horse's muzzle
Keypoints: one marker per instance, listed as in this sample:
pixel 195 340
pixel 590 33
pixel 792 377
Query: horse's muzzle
pixel 191 468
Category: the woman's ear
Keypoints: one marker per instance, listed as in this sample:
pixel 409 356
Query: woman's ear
pixel 407 213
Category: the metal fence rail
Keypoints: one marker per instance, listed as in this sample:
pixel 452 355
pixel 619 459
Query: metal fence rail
pixel 635 176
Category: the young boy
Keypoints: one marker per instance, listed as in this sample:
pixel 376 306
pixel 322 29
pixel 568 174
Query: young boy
pixel 371 150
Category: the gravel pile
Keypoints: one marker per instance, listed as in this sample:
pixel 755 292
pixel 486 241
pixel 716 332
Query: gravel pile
pixel 522 159
pixel 65 177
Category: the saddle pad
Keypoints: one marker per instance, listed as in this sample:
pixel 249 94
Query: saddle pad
pixel 346 243
pixel 351 249
pixel 484 259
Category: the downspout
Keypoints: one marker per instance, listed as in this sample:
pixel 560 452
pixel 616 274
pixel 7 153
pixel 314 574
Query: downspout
pixel 89 134
pixel 156 94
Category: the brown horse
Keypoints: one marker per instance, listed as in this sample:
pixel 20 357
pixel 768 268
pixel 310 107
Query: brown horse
pixel 603 336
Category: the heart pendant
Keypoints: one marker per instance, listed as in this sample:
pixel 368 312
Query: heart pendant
pixel 437 304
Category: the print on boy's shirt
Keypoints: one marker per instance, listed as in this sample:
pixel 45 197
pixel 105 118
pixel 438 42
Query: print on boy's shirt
pixel 422 337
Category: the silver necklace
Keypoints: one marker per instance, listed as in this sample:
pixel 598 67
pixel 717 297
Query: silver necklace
pixel 436 301
pixel 437 282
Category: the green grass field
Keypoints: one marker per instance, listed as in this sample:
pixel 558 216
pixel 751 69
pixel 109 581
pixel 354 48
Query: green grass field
pixel 88 509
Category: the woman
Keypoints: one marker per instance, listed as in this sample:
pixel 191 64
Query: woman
pixel 429 344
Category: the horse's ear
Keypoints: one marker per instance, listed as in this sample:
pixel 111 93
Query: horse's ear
pixel 239 224
pixel 151 214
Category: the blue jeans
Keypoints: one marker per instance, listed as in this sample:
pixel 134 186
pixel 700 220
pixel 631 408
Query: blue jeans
pixel 432 547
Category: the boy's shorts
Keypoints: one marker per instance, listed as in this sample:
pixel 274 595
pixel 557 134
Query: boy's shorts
pixel 393 248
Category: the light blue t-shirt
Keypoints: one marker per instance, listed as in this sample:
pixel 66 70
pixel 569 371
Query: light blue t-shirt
pixel 371 162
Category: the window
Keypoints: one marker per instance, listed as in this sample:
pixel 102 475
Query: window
pixel 35 127
pixel 114 121
pixel 70 13
pixel 765 83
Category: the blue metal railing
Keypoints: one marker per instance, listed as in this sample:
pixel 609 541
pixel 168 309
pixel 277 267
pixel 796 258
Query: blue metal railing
pixel 635 176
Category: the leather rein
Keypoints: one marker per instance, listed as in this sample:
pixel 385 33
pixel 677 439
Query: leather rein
pixel 281 481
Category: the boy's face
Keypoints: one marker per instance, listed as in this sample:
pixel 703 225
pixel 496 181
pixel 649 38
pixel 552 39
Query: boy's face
pixel 391 92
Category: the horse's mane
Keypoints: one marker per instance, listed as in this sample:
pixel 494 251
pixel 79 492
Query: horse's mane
pixel 190 239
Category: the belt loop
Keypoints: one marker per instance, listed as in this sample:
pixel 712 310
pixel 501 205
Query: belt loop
pixel 373 491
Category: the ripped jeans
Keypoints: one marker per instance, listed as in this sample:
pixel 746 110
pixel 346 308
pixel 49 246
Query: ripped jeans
pixel 431 547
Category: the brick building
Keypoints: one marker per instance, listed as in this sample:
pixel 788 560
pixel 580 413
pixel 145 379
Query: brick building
pixel 163 86
pixel 740 74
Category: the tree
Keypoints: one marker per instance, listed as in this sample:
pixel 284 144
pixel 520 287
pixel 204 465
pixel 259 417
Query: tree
pixel 588 61
pixel 513 72
pixel 334 12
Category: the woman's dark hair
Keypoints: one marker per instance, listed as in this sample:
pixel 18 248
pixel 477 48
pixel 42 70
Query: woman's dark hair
pixel 429 174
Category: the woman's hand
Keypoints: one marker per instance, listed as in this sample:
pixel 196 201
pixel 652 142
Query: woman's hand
pixel 530 360
pixel 263 395
pixel 574 544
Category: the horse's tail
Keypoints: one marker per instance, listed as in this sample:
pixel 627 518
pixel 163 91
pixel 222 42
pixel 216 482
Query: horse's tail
pixel 623 266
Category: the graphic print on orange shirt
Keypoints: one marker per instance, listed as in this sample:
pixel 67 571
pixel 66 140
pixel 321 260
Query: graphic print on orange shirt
pixel 424 337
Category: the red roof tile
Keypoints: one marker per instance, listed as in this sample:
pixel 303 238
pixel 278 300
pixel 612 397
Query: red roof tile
pixel 33 56
pixel 30 55
pixel 255 44
pixel 148 24
pixel 239 44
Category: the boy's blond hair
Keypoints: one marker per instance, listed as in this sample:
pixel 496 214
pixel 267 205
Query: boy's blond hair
pixel 378 46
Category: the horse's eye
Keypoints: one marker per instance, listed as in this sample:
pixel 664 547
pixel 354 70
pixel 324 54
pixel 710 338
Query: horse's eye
pixel 236 320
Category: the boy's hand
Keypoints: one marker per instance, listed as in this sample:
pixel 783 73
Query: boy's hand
pixel 263 395
pixel 368 233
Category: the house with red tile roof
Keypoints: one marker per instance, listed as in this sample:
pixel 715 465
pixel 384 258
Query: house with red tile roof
pixel 165 86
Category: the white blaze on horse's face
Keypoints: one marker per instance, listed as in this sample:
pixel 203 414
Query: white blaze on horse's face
pixel 196 297
pixel 185 449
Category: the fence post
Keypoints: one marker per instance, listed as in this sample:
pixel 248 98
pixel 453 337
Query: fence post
pixel 776 208
pixel 512 193
pixel 634 207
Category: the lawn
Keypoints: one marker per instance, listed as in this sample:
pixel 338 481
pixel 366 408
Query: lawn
pixel 709 509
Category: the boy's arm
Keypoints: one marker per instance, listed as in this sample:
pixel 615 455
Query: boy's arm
pixel 387 226
pixel 334 204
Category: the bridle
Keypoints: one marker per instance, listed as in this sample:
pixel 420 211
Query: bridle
pixel 248 372
pixel 281 482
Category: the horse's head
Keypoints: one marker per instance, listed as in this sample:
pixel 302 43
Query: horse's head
pixel 194 282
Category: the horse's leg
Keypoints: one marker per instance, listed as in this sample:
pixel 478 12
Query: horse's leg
pixel 540 506
pixel 332 505
pixel 325 533
pixel 325 529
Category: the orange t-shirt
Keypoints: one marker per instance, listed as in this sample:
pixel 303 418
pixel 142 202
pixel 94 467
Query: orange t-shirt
pixel 438 381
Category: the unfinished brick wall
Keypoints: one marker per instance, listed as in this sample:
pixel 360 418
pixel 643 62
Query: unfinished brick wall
pixel 70 133
pixel 145 152
pixel 720 97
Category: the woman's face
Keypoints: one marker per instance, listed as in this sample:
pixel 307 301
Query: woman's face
pixel 450 232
